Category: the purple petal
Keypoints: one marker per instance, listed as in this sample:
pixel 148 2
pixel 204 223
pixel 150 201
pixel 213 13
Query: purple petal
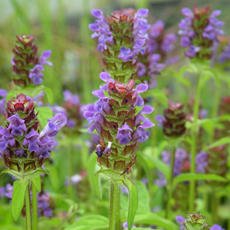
pixel 147 109
pixel 105 76
pixel 97 13
pixel 142 88
pixel 46 54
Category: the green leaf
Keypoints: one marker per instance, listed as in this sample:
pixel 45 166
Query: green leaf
pixel 160 96
pixel 37 182
pixel 160 165
pixel 18 198
pixel 144 163
pixel 153 219
pixel 91 168
pixel 133 200
pixel 49 95
pixel 143 197
pixel 92 222
pixel 213 73
pixel 11 95
pixel 44 113
pixel 97 184
pixel 222 141
pixel 192 176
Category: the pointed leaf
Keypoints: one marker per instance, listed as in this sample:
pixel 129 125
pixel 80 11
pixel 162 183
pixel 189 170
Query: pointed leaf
pixel 37 182
pixel 49 95
pixel 153 219
pixel 192 176
pixel 18 198
pixel 222 141
pixel 133 200
pixel 97 184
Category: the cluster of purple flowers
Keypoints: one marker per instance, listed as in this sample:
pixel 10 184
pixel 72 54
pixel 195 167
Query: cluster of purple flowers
pixel 104 33
pixel 100 109
pixel 20 138
pixel 182 164
pixel 35 74
pixel 199 31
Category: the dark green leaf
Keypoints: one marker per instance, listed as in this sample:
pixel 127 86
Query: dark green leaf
pixel 18 198
pixel 222 141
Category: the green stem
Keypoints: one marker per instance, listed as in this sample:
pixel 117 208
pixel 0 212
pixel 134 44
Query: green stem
pixel 34 206
pixel 170 183
pixel 71 170
pixel 194 146
pixel 28 209
pixel 114 211
pixel 215 109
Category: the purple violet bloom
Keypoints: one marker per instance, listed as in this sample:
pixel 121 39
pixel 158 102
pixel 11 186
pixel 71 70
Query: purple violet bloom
pixel 125 225
pixel 32 140
pixel 5 139
pixel 54 125
pixel 124 134
pixel 35 74
pixel 201 162
pixel 17 125
pixel 225 55
pixel 73 98
pixel 2 192
pixel 45 55
pixel 216 227
pixel 20 153
pixel 9 191
pixel 44 206
pixel 180 220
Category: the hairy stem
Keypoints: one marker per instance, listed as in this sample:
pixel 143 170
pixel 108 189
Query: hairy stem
pixel 170 183
pixel 28 209
pixel 35 207
pixel 194 145
pixel 114 211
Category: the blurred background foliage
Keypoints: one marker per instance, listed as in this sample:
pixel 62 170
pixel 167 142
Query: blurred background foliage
pixel 62 27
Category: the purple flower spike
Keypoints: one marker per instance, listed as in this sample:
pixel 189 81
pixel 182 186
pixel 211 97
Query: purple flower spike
pixel 54 125
pixel 35 74
pixel 45 55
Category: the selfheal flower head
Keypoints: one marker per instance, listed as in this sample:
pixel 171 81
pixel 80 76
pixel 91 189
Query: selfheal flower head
pixel 121 37
pixel 174 120
pixel 114 117
pixel 199 31
pixel 21 137
pixel 27 66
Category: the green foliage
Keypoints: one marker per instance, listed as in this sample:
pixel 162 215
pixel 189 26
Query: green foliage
pixel 18 198
pixel 37 182
pixel 91 222
pixel 44 113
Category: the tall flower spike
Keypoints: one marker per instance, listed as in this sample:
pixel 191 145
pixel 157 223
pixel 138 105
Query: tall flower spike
pixel 27 66
pixel 199 31
pixel 22 148
pixel 158 48
pixel 122 36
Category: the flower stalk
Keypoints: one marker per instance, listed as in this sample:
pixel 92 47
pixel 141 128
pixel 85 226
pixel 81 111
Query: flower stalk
pixel 28 209
pixel 34 207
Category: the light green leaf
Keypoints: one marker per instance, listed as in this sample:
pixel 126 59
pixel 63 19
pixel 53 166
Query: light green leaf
pixel 37 182
pixel 160 96
pixel 213 74
pixel 154 219
pixel 222 141
pixel 97 184
pixel 192 176
pixel 160 165
pixel 18 198
pixel 49 95
pixel 44 113
pixel 92 222
pixel 12 94
pixel 133 200
pixel 91 168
